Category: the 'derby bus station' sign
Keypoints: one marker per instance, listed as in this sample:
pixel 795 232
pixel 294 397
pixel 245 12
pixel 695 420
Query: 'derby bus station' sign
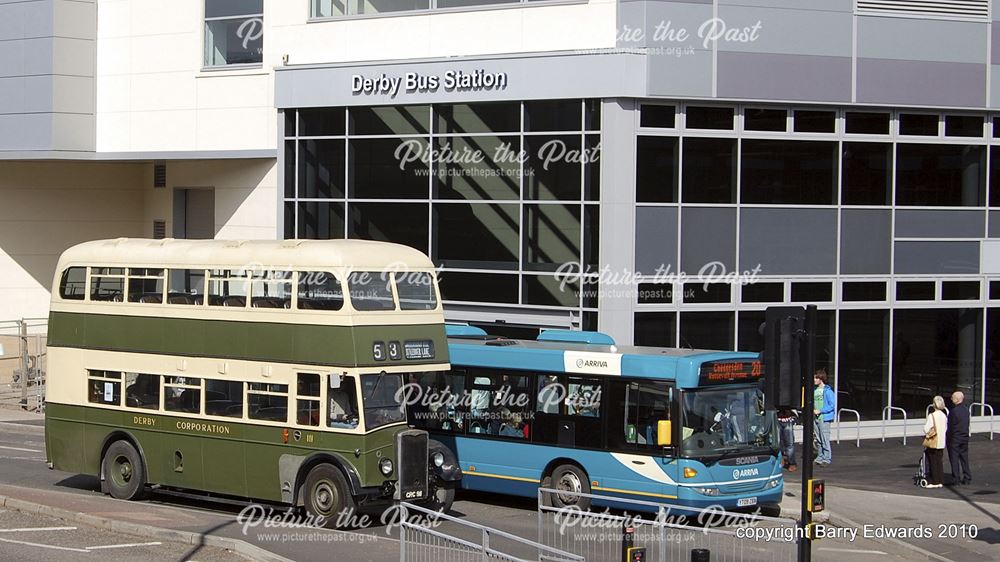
pixel 415 82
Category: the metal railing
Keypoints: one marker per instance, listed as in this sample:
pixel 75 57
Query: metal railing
pixel 887 417
pixel 664 532
pixel 420 542
pixel 857 414
pixel 22 372
pixel 982 412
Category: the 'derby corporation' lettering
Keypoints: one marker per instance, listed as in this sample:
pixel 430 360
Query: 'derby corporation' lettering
pixel 413 82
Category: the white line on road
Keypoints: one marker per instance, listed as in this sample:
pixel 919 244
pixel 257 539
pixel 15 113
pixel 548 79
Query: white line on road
pixel 124 545
pixel 20 449
pixel 852 551
pixel 30 529
pixel 12 541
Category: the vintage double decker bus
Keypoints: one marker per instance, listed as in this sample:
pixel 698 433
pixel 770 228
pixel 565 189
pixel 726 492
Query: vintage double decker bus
pixel 252 369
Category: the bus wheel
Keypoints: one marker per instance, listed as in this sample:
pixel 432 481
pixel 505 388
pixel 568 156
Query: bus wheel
pixel 123 471
pixel 572 480
pixel 327 497
pixel 442 496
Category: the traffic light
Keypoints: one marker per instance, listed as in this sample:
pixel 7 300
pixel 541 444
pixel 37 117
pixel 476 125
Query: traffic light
pixel 784 335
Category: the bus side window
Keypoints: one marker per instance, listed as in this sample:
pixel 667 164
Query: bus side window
pixel 186 286
pixel 142 391
pixel 634 412
pixel 146 285
pixel 343 404
pixel 307 403
pixel 104 387
pixel 73 285
pixel 436 401
pixel 268 401
pixel 182 394
pixel 224 398
pixel 107 284
pixel 319 290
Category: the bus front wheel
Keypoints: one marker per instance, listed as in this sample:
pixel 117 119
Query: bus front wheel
pixel 124 472
pixel 570 481
pixel 327 497
pixel 442 496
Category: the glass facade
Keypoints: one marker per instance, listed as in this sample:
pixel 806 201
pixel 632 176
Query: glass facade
pixel 503 196
pixel 876 216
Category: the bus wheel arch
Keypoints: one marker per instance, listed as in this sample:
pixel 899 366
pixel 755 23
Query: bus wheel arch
pixel 568 474
pixel 327 497
pixel 123 471
pixel 350 475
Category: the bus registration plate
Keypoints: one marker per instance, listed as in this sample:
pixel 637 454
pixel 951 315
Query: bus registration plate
pixel 744 502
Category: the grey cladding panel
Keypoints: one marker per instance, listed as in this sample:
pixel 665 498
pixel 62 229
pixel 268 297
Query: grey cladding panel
pixel 994 224
pixel 789 241
pixel 785 77
pixel 655 239
pixel 865 242
pixel 784 31
pixel 921 83
pixel 939 224
pixel 707 235
pixel 947 258
pixel 916 39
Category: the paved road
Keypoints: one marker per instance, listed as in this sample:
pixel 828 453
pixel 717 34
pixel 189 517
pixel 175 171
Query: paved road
pixel 26 536
pixel 22 475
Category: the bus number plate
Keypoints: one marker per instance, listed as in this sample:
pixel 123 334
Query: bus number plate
pixel 422 349
pixel 744 502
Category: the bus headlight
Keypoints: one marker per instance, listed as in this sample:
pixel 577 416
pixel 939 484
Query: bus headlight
pixel 773 483
pixel 438 459
pixel 707 491
pixel 385 466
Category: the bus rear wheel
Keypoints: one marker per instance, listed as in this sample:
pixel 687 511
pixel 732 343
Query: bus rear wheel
pixel 124 473
pixel 569 480
pixel 327 497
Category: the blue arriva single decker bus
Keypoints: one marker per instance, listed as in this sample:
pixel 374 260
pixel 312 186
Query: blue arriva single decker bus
pixel 574 412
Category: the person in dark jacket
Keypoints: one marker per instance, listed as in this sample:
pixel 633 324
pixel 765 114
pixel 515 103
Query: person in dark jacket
pixel 958 439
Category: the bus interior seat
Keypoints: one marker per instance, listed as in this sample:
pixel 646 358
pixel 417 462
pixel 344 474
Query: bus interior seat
pixel 151 298
pixel 180 299
pixel 234 301
pixel 218 407
pixel 271 414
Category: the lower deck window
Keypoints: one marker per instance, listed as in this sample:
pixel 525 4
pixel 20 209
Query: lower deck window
pixel 182 394
pixel 142 391
pixel 104 387
pixel 268 402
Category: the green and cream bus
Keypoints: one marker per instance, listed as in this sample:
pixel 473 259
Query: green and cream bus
pixel 252 369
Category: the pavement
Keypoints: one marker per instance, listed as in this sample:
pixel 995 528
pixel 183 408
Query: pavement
pixel 868 489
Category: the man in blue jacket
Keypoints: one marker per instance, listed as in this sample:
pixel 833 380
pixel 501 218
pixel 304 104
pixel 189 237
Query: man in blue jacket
pixel 824 408
pixel 957 439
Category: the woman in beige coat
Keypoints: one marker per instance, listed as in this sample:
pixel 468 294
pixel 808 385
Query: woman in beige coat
pixel 938 422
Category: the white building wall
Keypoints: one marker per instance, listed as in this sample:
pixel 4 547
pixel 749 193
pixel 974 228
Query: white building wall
pixel 153 95
pixel 50 206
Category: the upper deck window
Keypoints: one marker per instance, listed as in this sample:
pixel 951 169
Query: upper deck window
pixel 319 290
pixel 145 285
pixel 370 290
pixel 73 285
pixel 272 290
pixel 187 286
pixel 416 291
pixel 107 284
pixel 228 287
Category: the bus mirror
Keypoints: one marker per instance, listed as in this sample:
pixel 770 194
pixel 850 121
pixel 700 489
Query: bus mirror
pixel 335 381
pixel 663 433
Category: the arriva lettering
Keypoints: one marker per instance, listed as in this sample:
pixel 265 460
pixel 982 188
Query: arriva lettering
pixel 743 473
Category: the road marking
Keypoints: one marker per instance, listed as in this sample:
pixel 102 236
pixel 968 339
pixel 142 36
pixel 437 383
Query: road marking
pixel 12 541
pixel 124 545
pixel 20 449
pixel 30 529
pixel 853 551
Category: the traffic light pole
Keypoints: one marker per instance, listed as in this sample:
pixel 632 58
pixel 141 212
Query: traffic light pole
pixel 808 432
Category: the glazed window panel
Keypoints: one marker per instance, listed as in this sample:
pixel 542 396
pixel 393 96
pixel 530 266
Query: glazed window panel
pixel 104 387
pixel 73 284
pixel 319 290
pixel 234 32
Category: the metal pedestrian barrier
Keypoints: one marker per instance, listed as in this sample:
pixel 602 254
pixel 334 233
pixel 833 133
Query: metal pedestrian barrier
pixel 23 358
pixel 420 541
pixel 887 417
pixel 982 412
pixel 667 532
pixel 857 414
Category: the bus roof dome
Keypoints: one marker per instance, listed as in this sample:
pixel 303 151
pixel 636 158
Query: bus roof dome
pixel 573 336
pixel 299 254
